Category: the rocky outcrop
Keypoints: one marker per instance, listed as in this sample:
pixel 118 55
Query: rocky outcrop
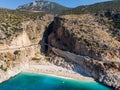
pixel 21 40
pixel 13 61
pixel 26 33
pixel 82 39
pixel 15 57
pixel 105 72
pixel 112 20
pixel 83 35
pixel 22 47
pixel 86 41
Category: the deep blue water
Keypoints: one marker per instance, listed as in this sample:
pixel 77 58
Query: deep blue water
pixel 31 81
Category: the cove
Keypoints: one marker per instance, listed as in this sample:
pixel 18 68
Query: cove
pixel 32 81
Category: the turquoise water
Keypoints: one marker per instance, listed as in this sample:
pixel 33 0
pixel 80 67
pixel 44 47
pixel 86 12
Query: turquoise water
pixel 31 81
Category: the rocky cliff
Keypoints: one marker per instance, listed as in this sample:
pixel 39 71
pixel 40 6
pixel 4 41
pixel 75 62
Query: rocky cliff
pixel 105 72
pixel 15 60
pixel 85 40
pixel 83 35
pixel 17 51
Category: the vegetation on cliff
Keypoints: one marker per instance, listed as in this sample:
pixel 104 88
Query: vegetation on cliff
pixel 109 9
pixel 16 16
pixel 94 34
pixel 86 35
pixel 95 8
pixel 11 22
pixel 88 41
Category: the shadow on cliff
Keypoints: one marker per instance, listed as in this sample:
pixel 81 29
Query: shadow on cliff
pixel 44 41
pixel 45 48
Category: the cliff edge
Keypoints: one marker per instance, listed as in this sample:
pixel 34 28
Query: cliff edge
pixel 87 41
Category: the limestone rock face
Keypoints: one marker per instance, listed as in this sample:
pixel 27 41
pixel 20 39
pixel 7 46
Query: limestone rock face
pixel 84 35
pixel 17 51
pixel 29 32
pixel 21 41
pixel 15 60
pixel 105 72
pixel 85 40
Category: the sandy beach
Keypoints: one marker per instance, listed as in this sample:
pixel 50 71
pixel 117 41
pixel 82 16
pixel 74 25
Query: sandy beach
pixel 51 69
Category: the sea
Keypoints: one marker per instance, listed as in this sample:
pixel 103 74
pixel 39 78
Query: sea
pixel 33 81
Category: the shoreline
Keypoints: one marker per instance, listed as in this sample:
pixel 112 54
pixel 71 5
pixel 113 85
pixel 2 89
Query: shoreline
pixel 55 71
pixel 50 70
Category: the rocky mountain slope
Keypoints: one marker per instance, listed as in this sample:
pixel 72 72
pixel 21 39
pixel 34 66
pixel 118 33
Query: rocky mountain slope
pixel 14 22
pixel 113 5
pixel 90 42
pixel 43 6
pixel 85 40
pixel 20 33
pixel 108 9
pixel 11 23
pixel 84 35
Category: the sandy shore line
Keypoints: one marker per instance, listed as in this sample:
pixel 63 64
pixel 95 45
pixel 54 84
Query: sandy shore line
pixel 56 71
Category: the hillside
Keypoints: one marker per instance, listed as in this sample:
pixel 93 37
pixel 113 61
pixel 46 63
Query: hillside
pixel 11 22
pixel 20 33
pixel 96 8
pixel 109 10
pixel 86 41
pixel 43 6
pixel 85 35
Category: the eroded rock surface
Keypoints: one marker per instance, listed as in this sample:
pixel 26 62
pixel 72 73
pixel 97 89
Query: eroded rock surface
pixel 17 50
pixel 86 41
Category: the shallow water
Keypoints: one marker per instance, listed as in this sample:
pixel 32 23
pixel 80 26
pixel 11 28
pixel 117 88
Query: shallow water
pixel 31 81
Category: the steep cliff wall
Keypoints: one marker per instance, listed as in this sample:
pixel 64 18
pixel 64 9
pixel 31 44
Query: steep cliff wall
pixel 105 72
pixel 85 40
pixel 84 35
